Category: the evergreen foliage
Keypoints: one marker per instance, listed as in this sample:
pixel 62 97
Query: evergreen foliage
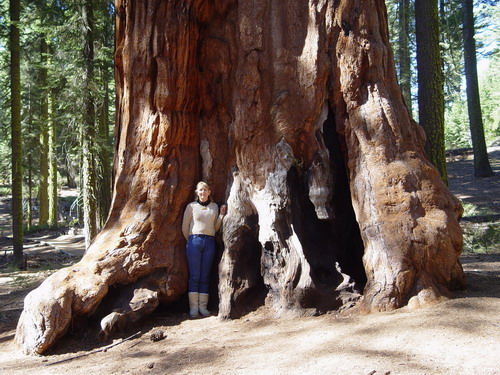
pixel 59 22
pixel 487 24
pixel 490 100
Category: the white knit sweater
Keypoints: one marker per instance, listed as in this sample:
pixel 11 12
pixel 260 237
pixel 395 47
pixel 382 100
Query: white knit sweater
pixel 199 219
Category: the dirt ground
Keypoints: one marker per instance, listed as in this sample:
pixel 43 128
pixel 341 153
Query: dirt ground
pixel 460 335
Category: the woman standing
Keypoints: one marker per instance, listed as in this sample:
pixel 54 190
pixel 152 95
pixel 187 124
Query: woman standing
pixel 201 221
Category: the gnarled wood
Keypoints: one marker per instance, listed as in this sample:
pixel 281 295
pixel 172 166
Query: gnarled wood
pixel 291 111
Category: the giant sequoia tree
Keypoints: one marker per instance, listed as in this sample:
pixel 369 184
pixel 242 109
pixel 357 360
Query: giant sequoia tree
pixel 292 112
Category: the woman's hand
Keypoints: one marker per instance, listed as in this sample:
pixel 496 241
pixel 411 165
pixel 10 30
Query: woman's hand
pixel 223 210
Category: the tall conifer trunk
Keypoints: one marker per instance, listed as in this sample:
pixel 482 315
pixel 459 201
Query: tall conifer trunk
pixel 482 167
pixel 16 134
pixel 89 178
pixel 104 177
pixel 30 146
pixel 430 82
pixel 292 112
pixel 43 186
pixel 52 155
pixel 53 203
pixel 404 52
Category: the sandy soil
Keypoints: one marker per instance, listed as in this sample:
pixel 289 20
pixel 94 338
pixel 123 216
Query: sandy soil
pixel 455 336
pixel 483 192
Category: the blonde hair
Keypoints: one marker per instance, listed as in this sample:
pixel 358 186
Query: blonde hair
pixel 202 184
pixel 206 186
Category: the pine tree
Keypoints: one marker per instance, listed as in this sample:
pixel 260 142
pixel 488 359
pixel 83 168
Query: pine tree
pixel 482 166
pixel 104 176
pixel 16 138
pixel 52 190
pixel 404 51
pixel 430 82
pixel 451 49
pixel 104 24
pixel 29 144
pixel 88 128
pixel 43 194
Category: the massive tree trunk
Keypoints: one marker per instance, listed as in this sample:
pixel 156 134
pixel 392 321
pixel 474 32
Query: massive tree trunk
pixel 292 112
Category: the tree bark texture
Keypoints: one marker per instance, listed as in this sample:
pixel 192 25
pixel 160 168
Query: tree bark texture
pixel 430 82
pixel 16 133
pixel 104 147
pixel 29 144
pixel 89 163
pixel 43 187
pixel 52 190
pixel 292 112
pixel 482 167
pixel 404 51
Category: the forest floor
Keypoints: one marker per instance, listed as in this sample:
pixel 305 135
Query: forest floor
pixel 456 336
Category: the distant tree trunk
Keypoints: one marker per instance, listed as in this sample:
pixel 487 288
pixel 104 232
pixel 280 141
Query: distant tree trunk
pixel 482 166
pixel 52 130
pixel 29 223
pixel 104 177
pixel 88 130
pixel 30 146
pixel 430 82
pixel 52 145
pixel 43 187
pixel 70 175
pixel 292 111
pixel 16 134
pixel 105 144
pixel 404 51
pixel 80 183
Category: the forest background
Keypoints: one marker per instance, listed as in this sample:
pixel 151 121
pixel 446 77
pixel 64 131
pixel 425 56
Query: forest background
pixel 67 99
pixel 67 115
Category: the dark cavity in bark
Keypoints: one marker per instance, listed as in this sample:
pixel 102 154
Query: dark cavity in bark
pixel 249 290
pixel 346 233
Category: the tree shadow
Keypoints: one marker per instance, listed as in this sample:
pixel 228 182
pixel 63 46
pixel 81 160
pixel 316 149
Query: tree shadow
pixel 7 338
pixel 479 191
pixel 482 273
pixel 178 360
pixel 83 335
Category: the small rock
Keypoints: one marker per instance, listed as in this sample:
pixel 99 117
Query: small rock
pixel 151 365
pixel 158 335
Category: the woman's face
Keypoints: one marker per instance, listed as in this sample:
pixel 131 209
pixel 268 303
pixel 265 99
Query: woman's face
pixel 203 193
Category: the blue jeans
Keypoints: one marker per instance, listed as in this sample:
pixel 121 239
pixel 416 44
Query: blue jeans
pixel 200 251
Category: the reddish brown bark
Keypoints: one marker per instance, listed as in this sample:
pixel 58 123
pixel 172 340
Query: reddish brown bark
pixel 292 112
